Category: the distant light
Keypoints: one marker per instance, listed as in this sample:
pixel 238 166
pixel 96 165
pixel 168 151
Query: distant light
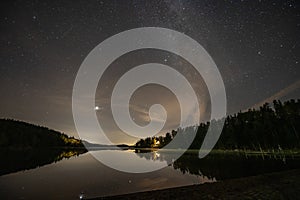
pixel 97 108
pixel 81 196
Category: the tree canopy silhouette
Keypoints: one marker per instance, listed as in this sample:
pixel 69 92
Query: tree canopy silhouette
pixel 17 134
pixel 275 127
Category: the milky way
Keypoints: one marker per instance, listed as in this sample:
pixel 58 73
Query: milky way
pixel 255 45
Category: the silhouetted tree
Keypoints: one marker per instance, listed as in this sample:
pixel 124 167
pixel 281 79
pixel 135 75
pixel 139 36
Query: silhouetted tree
pixel 17 134
pixel 265 128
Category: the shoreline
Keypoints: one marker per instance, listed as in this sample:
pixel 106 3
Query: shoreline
pixel 277 185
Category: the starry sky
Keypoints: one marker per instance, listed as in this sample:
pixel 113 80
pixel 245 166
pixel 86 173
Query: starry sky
pixel 254 43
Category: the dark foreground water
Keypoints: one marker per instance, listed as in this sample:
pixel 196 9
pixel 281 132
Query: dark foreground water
pixel 83 176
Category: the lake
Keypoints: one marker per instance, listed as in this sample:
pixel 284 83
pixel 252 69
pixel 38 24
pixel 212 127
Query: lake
pixel 84 176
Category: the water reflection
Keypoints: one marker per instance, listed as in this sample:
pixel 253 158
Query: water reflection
pixel 85 177
pixel 18 160
pixel 224 165
pixel 127 161
pixel 216 166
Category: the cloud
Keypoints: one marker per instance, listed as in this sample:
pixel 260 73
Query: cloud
pixel 282 93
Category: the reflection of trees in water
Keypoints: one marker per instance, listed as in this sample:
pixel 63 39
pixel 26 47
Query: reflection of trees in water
pixel 222 166
pixel 27 146
pixel 154 155
pixel 270 128
pixel 17 160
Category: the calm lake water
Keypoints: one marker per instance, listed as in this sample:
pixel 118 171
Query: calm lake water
pixel 84 176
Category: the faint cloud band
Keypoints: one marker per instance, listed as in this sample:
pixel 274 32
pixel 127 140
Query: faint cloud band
pixel 105 53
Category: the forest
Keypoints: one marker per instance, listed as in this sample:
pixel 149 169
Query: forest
pixel 18 135
pixel 27 146
pixel 273 126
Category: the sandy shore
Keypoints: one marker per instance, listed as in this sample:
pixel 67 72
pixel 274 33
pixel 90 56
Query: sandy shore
pixel 279 185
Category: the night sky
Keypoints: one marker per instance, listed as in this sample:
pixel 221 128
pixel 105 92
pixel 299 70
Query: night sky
pixel 255 45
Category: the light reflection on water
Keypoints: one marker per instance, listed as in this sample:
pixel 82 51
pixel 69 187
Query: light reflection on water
pixel 84 176
pixel 130 161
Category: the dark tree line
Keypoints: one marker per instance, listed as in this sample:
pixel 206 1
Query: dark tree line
pixel 17 134
pixel 27 146
pixel 275 127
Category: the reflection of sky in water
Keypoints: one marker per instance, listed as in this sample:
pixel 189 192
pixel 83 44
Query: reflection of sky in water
pixel 69 178
pixel 119 160
pixel 84 175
